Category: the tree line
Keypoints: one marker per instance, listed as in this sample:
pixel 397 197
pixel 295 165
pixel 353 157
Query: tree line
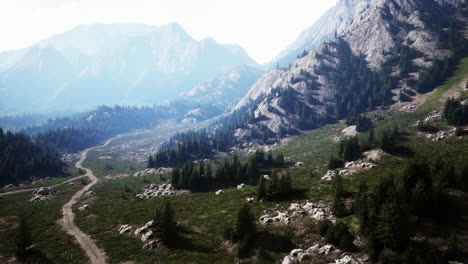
pixel 22 158
pixel 203 177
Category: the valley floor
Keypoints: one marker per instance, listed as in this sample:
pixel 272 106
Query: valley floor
pixel 204 216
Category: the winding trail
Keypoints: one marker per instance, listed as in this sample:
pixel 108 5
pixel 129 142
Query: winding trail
pixel 96 256
pixel 37 188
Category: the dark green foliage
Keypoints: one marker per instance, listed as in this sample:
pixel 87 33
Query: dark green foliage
pixel 245 223
pixel 276 187
pixel 323 227
pixel 23 239
pixel 389 256
pixel 166 226
pixel 262 189
pixel 388 140
pixel 384 211
pixel 338 234
pixel 70 139
pixel 338 206
pixel 21 158
pixel 427 128
pixel 198 178
pixel 335 163
pixel 456 113
pixel 350 149
pixel 244 230
pixel 362 123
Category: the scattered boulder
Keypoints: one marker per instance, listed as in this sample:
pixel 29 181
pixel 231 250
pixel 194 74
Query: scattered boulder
pixel 146 235
pixel 9 186
pixel 346 259
pixel 287 260
pixel 151 191
pixel 344 173
pixel 275 217
pixel 299 163
pixel 431 118
pixel 349 131
pixel 298 255
pixel 43 193
pixel 360 164
pixel 150 245
pixel 84 207
pixel 150 171
pixel 317 211
pixel 125 228
pixel 241 186
pixel 87 195
pixel 144 228
pixel 410 107
pixel 329 175
pixel 250 200
pixel 266 177
pixel 218 192
pixel 441 135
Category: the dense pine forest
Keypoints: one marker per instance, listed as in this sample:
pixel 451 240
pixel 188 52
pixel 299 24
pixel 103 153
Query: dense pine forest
pixel 21 159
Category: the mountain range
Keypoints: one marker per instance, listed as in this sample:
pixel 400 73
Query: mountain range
pixel 91 65
pixel 332 23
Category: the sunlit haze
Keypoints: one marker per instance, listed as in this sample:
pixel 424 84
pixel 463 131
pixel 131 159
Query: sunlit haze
pixel 262 27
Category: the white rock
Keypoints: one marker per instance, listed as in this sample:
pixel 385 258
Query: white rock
pixel 287 260
pixel 146 235
pixel 149 245
pixel 124 229
pixel 218 192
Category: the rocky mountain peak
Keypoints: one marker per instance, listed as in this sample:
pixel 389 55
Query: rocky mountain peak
pixel 385 48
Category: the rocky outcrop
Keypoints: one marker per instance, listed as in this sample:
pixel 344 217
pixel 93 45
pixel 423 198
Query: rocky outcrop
pixel 43 193
pixel 377 34
pixel 317 211
pixel 299 255
pixel 334 22
pixel 151 191
pixel 150 171
pixel 262 87
pixel 224 90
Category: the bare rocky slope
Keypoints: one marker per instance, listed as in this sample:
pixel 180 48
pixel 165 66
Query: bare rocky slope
pixel 225 89
pixel 335 21
pixel 381 54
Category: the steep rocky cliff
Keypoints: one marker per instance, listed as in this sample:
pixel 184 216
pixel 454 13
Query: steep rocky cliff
pixel 380 55
pixel 335 21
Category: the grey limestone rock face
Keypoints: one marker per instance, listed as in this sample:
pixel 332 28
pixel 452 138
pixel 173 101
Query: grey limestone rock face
pixel 375 35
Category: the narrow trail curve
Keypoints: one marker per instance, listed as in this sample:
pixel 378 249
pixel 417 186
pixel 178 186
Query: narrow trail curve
pixel 96 256
pixel 49 186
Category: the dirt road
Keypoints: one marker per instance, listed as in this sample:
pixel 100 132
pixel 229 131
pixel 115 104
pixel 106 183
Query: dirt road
pixel 96 256
pixel 50 186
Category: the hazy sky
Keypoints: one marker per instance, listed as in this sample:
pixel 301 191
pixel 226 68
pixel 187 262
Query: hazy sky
pixel 262 27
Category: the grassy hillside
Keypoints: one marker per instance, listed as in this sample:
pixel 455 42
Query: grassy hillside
pixel 203 217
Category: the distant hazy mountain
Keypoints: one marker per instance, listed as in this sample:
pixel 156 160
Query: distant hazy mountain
pixel 225 90
pixel 335 21
pixel 110 64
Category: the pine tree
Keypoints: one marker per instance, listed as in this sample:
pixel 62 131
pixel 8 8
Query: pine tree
pixel 338 206
pixel 176 177
pixel 392 224
pixel 261 189
pixel 168 226
pixel 245 224
pixel 23 241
